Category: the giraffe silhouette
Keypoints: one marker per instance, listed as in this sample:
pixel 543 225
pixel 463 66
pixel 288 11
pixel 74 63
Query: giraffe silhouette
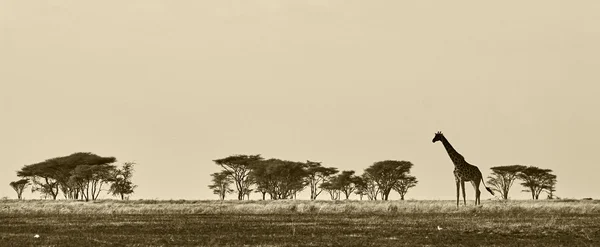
pixel 463 171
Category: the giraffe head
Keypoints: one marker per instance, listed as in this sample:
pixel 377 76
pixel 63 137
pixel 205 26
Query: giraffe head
pixel 438 137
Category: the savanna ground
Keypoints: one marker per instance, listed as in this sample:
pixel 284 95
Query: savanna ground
pixel 299 223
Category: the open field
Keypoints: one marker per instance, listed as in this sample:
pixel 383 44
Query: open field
pixel 299 223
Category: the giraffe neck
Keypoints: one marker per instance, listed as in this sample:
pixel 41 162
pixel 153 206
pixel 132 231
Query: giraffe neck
pixel 456 158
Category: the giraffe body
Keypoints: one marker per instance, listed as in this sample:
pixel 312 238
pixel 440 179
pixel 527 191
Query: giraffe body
pixel 463 171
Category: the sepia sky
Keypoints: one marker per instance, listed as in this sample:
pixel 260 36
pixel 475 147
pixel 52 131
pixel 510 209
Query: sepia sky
pixel 173 85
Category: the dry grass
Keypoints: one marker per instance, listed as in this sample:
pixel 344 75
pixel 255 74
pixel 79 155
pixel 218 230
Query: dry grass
pixel 299 223
pixel 296 207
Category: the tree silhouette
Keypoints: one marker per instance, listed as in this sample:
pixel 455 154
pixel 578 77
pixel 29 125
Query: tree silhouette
pixel 503 177
pixel 345 182
pixel 220 184
pixel 19 186
pixel 331 188
pixel 361 187
pixel 386 174
pixel 537 180
pixel 317 174
pixel 239 167
pixel 59 174
pixel 281 179
pixel 404 184
pixel 121 181
pixel 368 185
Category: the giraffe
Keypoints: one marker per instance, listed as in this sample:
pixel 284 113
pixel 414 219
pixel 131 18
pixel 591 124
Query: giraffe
pixel 463 171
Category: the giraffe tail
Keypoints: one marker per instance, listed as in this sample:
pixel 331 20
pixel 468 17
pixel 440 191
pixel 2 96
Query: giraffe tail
pixel 487 188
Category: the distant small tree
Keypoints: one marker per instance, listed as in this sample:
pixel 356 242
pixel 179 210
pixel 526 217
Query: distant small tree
pixel 239 167
pixel 502 178
pixel 317 174
pixel 386 174
pixel 91 178
pixel 19 186
pixel 550 190
pixel 220 184
pixel 536 180
pixel 345 182
pixel 121 181
pixel 361 187
pixel 550 186
pixel 404 184
pixel 281 179
pixel 369 186
pixel 332 189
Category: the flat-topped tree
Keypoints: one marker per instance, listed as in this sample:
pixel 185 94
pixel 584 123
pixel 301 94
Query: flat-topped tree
pixel 57 174
pixel 316 175
pixel 404 184
pixel 19 186
pixel 239 167
pixel 536 180
pixel 346 182
pixel 386 174
pixel 281 179
pixel 503 177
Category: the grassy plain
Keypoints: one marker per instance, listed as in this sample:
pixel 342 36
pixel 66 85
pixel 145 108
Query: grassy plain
pixel 299 223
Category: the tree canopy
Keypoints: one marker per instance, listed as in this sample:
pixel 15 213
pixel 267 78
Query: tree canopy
pixel 19 186
pixel 503 177
pixel 536 180
pixel 317 174
pixel 121 178
pixel 387 174
pixel 281 179
pixel 238 167
pixel 78 176
pixel 220 184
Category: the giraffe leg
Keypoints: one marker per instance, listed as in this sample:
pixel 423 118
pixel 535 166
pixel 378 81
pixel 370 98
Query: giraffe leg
pixel 477 192
pixel 457 192
pixel 462 184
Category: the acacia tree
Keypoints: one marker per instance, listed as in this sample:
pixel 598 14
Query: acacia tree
pixel 238 168
pixel 369 186
pixel 386 174
pixel 404 184
pixel 536 180
pixel 317 174
pixel 502 178
pixel 54 175
pixel 550 189
pixel 91 178
pixel 281 179
pixel 345 182
pixel 221 182
pixel 361 187
pixel 121 181
pixel 19 186
pixel 332 189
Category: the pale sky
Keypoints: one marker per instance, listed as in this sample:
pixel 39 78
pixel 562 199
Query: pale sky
pixel 173 85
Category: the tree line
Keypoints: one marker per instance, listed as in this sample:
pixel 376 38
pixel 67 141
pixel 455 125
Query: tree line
pixel 535 180
pixel 79 176
pixel 82 176
pixel 283 179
